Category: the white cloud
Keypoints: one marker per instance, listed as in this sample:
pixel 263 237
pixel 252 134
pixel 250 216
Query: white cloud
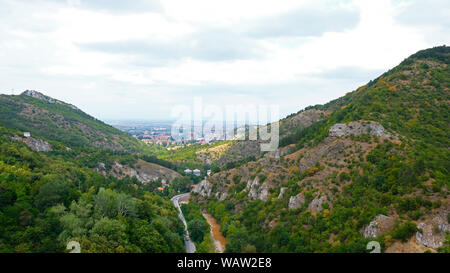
pixel 145 56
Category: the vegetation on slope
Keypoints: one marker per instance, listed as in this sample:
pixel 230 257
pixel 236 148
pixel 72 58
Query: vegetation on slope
pixel 62 123
pixel 408 178
pixel 47 200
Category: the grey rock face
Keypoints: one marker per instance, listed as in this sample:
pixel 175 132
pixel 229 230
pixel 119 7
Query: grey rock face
pixel 297 201
pixel 264 193
pixel 255 191
pixel 37 145
pixel 357 128
pixel 432 234
pixel 38 95
pixel 252 188
pixel 378 226
pixel 142 174
pixel 221 195
pixel 316 204
pixel 282 191
pixel 204 188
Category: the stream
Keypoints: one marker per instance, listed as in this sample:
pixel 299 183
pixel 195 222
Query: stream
pixel 218 239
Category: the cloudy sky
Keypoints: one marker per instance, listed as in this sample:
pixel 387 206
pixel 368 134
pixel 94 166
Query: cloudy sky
pixel 122 60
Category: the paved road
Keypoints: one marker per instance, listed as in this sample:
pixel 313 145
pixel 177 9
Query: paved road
pixel 190 246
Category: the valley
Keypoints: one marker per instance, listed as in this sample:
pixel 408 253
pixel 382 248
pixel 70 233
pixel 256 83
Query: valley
pixel 372 165
pixel 217 237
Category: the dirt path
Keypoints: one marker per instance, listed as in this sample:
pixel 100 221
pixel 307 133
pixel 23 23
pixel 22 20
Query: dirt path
pixel 218 239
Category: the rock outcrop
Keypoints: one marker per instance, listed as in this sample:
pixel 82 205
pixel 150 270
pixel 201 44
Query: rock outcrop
pixel 221 195
pixel 378 226
pixel 282 191
pixel 295 202
pixel 264 193
pixel 432 233
pixel 357 128
pixel 316 205
pixel 143 171
pixel 36 144
pixel 255 191
pixel 40 96
pixel 204 188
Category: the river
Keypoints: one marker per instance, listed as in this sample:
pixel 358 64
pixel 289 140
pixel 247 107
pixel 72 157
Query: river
pixel 218 239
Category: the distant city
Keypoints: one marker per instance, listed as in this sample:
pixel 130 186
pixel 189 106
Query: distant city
pixel 160 132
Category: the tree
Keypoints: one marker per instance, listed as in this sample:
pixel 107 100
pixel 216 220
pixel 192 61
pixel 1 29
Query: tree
pixel 112 230
pixel 110 204
pixel 147 238
pixel 52 193
pixel 198 229
pixel 237 241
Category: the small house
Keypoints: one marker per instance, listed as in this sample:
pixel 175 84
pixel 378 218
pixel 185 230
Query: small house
pixel 187 171
pixel 197 172
pixel 27 134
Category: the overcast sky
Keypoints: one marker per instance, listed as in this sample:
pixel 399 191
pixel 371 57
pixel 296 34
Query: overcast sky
pixel 137 59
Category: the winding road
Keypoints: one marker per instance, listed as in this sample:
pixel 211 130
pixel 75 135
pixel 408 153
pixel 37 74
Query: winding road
pixel 190 246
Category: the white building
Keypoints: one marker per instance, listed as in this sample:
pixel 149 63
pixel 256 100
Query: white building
pixel 187 171
pixel 27 134
pixel 208 172
pixel 197 172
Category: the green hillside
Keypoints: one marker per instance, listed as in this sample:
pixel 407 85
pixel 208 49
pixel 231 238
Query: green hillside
pixel 55 120
pixel 53 196
pixel 49 199
pixel 345 182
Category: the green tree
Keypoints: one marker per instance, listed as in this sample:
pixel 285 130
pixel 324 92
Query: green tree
pixel 52 193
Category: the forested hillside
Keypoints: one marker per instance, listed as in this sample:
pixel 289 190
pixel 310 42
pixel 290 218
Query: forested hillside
pixel 78 179
pixel 48 118
pixel 374 166
pixel 47 201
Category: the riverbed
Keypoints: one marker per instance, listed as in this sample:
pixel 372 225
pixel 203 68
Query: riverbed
pixel 218 239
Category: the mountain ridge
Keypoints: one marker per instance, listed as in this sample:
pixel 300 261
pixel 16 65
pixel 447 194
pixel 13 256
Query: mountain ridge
pixel 324 175
pixel 49 118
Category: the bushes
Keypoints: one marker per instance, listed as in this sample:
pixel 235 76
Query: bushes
pixel 197 225
pixel 343 176
pixel 404 231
